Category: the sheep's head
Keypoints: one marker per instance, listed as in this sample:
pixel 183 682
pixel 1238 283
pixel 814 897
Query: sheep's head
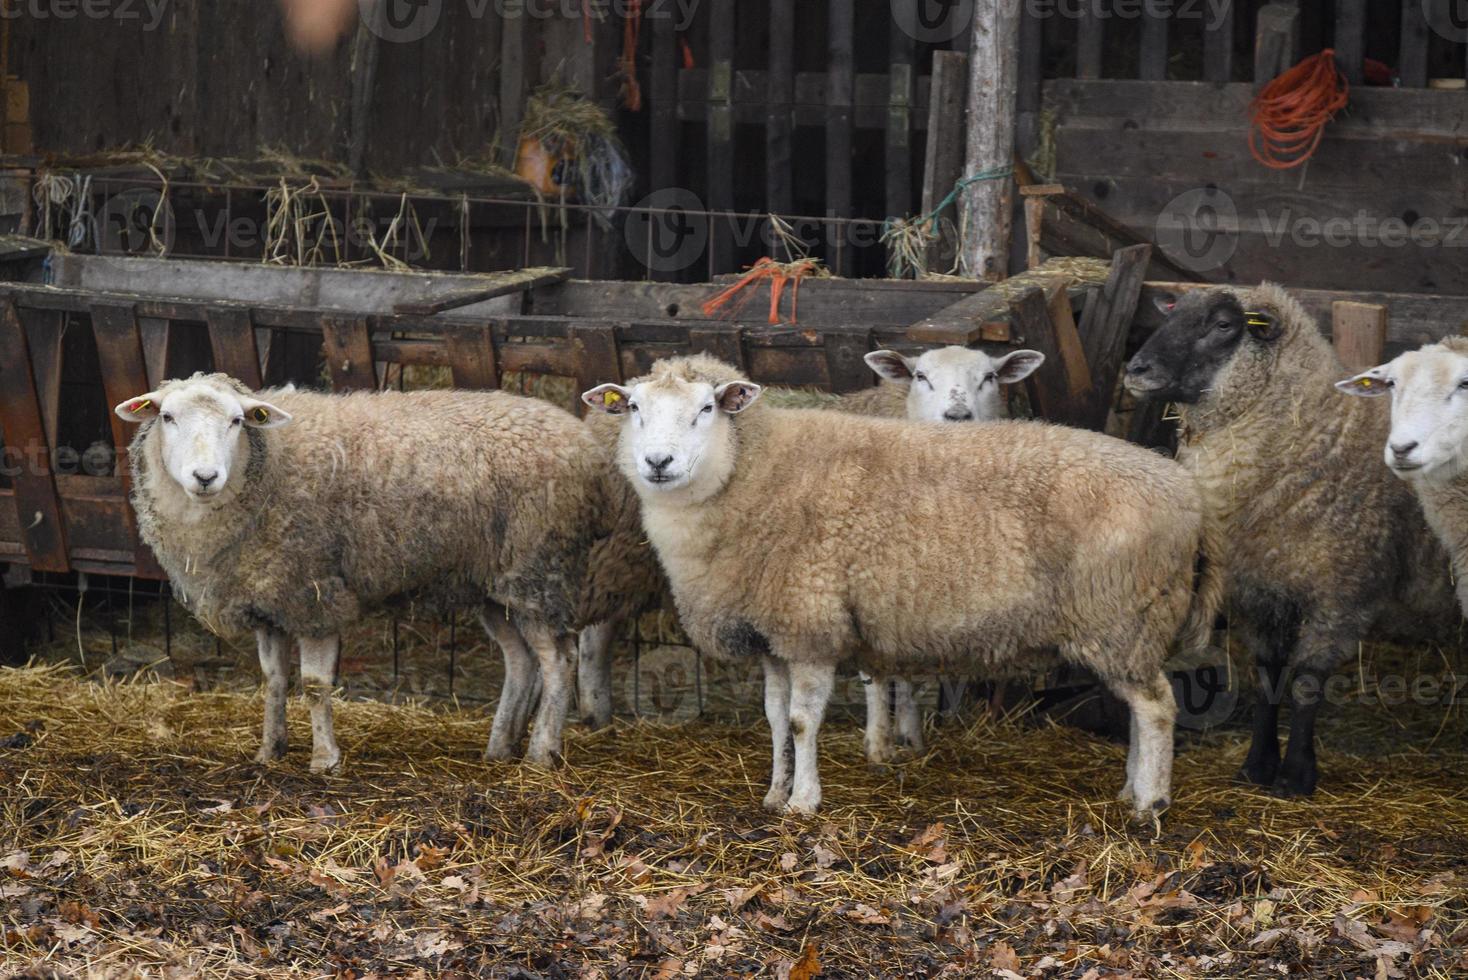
pixel 1201 336
pixel 200 423
pixel 1429 389
pixel 954 384
pixel 677 437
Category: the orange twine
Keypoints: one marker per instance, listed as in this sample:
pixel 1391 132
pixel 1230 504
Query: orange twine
pixel 1289 115
pixel 627 63
pixel 728 301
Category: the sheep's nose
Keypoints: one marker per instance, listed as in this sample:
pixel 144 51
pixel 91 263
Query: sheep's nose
pixel 657 463
pixel 1402 450
pixel 958 415
pixel 205 477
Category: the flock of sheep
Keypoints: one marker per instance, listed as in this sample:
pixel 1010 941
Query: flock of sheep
pixel 810 532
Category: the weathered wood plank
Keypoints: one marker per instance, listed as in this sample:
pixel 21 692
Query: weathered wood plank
pixel 1350 39
pixel 840 91
pixel 124 375
pixel 503 284
pixel 1152 66
pixel 37 506
pixel 232 338
pixel 155 332
pixel 943 159
pixel 1276 40
pixel 988 205
pixel 595 355
pixel 1416 38
pixel 1106 323
pixel 845 367
pixel 779 100
pixel 727 344
pixel 900 91
pixel 1050 388
pixel 718 93
pixel 1358 331
pixel 1218 42
pixel 1090 41
pixel 348 346
pixel 471 356
pixel 44 333
pixel 982 316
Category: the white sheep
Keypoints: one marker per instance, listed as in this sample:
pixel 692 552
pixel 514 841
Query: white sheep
pixel 291 514
pixel 806 538
pixel 1427 445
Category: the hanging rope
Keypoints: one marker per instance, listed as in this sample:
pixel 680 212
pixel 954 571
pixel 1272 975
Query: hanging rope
pixel 627 62
pixel 1288 117
pixel 728 301
pixel 907 239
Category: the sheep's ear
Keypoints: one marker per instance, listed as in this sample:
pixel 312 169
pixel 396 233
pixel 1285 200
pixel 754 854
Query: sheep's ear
pixel 608 398
pixel 139 409
pixel 1165 302
pixel 890 365
pixel 735 396
pixel 1368 384
pixel 1262 325
pixel 1018 365
pixel 263 415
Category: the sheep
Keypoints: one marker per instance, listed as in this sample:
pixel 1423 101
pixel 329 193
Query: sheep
pixel 805 538
pixel 947 384
pixel 291 514
pixel 1321 549
pixel 1428 438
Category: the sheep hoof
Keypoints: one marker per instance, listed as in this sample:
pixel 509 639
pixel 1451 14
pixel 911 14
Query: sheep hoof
pixel 544 758
pixel 326 761
pixel 270 752
pixel 1150 815
pixel 1127 794
pixel 803 806
pixel 1259 772
pixel 776 798
pixel 500 753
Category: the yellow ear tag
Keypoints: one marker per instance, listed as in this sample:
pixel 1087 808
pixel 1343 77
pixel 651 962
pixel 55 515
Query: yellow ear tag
pixel 611 398
pixel 260 415
pixel 140 405
pixel 1366 382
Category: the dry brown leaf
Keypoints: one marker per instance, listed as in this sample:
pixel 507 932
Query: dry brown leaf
pixel 868 916
pixel 430 857
pixel 807 966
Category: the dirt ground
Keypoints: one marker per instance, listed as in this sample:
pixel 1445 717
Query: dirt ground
pixel 138 839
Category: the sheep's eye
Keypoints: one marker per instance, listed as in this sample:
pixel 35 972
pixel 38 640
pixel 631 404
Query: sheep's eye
pixel 1223 325
pixel 168 417
pixel 992 376
pixel 237 420
pixel 706 409
pixel 1461 384
pixel 632 408
pixel 920 376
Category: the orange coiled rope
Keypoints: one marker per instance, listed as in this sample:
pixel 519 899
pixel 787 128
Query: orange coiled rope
pixel 728 301
pixel 1289 115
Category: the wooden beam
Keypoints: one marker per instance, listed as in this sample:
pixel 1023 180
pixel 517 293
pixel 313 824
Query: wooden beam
pixel 1276 39
pixel 720 146
pixel 502 284
pixel 232 338
pixel 596 356
pixel 779 105
pixel 124 375
pixel 993 77
pixel 943 157
pixel 1358 331
pixel 348 347
pixel 1059 390
pixel 1090 40
pixel 471 356
pixel 900 90
pixel 1218 41
pixel 840 90
pixel 725 343
pixel 981 316
pixel 1105 324
pixel 1153 63
pixel 37 505
pixel 1416 40
pixel 1350 39
pixel 845 367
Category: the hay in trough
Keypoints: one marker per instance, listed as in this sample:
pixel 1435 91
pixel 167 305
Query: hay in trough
pixel 138 838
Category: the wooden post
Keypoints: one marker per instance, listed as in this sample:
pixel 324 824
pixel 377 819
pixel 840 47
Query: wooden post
pixel 900 89
pixel 944 157
pixel 840 91
pixel 720 143
pixel 1218 42
pixel 1358 331
pixel 1350 39
pixel 1276 34
pixel 779 106
pixel 993 78
pixel 1105 324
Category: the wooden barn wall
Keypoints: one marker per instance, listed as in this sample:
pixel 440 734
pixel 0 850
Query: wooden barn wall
pixel 1150 153
pixel 218 78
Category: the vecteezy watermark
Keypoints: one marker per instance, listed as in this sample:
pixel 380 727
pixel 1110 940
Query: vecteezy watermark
pixel 1211 12
pixel 137 221
pixel 1199 229
pixel 933 21
pixel 1447 18
pixel 148 13
pixel 405 21
pixel 668 229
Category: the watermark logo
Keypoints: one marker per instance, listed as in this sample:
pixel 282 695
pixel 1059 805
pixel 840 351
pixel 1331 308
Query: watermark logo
pixel 401 21
pixel 665 680
pixel 1199 229
pixel 933 21
pixel 148 13
pixel 1207 692
pixel 137 221
pixel 1447 18
pixel 668 229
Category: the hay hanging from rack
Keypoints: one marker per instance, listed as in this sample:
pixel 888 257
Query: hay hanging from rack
pixel 577 131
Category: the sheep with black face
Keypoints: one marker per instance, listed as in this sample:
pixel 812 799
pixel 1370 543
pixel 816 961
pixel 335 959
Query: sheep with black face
pixel 1320 549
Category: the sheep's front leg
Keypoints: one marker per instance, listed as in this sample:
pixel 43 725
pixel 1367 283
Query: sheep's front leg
pixel 319 658
pixel 517 696
pixel 810 690
pixel 556 654
pixel 594 674
pixel 273 646
pixel 777 713
pixel 1128 792
pixel 909 715
pixel 878 742
pixel 1153 714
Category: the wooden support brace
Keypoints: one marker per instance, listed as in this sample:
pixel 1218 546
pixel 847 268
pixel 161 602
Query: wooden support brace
pixel 845 367
pixel 596 356
pixel 124 375
pixel 472 357
pixel 232 338
pixel 348 346
pixel 1105 323
pixel 37 505
pixel 727 344
pixel 1358 331
pixel 1059 389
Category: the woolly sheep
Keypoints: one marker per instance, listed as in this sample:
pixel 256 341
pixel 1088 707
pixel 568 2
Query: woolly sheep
pixel 806 537
pixel 1427 445
pixel 291 514
pixel 947 384
pixel 1321 549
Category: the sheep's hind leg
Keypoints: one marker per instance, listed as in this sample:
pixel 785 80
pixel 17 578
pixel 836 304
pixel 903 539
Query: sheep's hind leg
pixel 594 674
pixel 556 654
pixel 1153 712
pixel 909 715
pixel 517 696
pixel 1298 773
pixel 777 713
pixel 878 740
pixel 1261 765
pixel 319 657
pixel 810 690
pixel 274 647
